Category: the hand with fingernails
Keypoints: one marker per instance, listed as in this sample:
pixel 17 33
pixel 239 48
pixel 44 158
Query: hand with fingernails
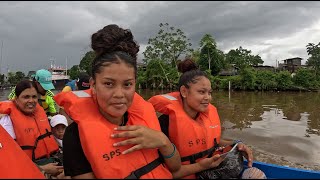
pixel 140 137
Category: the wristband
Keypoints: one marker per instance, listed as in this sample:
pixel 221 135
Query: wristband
pixel 170 155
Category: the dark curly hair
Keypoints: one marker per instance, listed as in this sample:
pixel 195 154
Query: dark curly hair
pixel 190 72
pixel 113 44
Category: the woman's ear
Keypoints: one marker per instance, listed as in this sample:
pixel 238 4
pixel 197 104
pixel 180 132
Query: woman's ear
pixel 183 91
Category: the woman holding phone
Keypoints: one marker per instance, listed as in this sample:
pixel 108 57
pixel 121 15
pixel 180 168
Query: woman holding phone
pixel 192 123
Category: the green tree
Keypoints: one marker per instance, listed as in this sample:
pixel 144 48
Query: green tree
pixel 85 63
pixel 19 76
pixel 209 52
pixel 196 56
pixel 74 72
pixel 243 58
pixel 284 80
pixel 157 73
pixel 265 80
pixel 305 78
pixel 313 51
pixel 12 78
pixel 141 78
pixel 248 78
pixel 169 44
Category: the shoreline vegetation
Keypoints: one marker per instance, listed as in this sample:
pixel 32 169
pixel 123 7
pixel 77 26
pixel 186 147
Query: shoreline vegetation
pixel 237 69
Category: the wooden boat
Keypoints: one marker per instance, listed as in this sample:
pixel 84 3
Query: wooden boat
pixel 273 171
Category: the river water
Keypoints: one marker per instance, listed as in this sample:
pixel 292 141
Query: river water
pixel 281 127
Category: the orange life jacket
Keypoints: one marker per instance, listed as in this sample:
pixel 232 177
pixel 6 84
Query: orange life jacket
pixel 95 136
pixel 14 162
pixel 194 139
pixel 33 133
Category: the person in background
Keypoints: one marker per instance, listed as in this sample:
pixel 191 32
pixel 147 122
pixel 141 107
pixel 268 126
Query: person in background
pixel 70 86
pixel 82 83
pixel 43 83
pixel 58 125
pixel 190 110
pixel 115 133
pixel 27 123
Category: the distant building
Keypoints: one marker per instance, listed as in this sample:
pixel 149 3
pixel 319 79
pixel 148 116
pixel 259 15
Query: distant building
pixel 231 71
pixel 291 64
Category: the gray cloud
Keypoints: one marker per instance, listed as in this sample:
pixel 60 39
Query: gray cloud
pixel 34 32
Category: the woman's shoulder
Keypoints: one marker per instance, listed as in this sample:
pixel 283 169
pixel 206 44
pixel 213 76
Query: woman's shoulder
pixel 72 128
pixel 71 135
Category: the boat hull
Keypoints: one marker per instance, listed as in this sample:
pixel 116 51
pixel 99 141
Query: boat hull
pixel 273 171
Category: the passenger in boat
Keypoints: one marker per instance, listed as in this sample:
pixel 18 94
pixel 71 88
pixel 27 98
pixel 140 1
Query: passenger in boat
pixel 115 133
pixel 58 125
pixel 70 86
pixel 27 123
pixel 43 85
pixel 193 124
pixel 82 83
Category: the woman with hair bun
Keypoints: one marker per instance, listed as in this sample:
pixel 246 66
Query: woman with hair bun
pixel 115 133
pixel 192 123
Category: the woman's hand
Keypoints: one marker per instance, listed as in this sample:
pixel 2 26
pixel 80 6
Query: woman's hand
pixel 52 168
pixel 212 162
pixel 247 153
pixel 140 137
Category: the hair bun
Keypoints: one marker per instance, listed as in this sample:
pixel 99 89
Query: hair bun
pixel 112 38
pixel 187 65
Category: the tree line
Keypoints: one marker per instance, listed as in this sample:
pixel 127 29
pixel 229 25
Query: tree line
pixel 170 45
pixel 158 69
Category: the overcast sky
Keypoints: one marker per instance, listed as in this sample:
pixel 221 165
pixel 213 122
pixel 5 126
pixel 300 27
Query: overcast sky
pixel 35 32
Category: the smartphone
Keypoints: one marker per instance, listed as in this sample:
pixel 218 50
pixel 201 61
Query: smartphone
pixel 226 153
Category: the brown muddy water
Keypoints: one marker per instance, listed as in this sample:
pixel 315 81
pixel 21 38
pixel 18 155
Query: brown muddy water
pixel 281 127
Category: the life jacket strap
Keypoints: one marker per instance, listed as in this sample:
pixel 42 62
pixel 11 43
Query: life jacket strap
pixel 27 147
pixel 192 158
pixel 47 134
pixel 145 169
pixel 196 156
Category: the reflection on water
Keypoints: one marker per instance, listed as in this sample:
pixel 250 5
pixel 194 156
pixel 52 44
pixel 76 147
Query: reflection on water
pixel 245 109
pixel 294 113
pixel 283 128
